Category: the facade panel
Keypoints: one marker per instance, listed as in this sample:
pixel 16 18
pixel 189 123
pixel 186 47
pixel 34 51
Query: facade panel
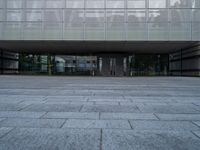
pixel 160 20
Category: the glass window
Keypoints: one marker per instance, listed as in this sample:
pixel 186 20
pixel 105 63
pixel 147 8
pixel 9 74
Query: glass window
pixel 53 15
pixel 180 3
pixel 196 31
pixel 1 15
pixel 94 16
pixel 2 3
pixel 158 15
pixel 94 31
pixel 75 3
pixel 14 3
pixel 136 3
pixel 73 31
pixel 137 31
pixel 32 30
pixel 136 15
pixel 196 15
pixel 158 31
pixel 54 4
pixel 157 4
pixel 74 15
pixel 180 15
pixel 52 30
pixel 115 15
pixel 33 15
pixel 115 31
pixel 95 3
pixel 180 31
pixel 12 31
pixel 14 15
pixel 195 3
pixel 1 30
pixel 34 4
pixel 115 4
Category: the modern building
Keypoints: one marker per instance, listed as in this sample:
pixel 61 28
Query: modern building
pixel 102 37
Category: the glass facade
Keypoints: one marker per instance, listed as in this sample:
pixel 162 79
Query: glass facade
pixel 131 20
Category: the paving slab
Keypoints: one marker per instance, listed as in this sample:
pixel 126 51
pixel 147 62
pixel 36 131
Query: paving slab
pixel 125 116
pixel 20 114
pixel 109 108
pixel 4 131
pixel 197 123
pixel 163 125
pixel 148 140
pixel 51 139
pixel 35 123
pixel 197 133
pixel 11 107
pixel 53 108
pixel 169 109
pixel 189 117
pixel 106 124
pixel 72 115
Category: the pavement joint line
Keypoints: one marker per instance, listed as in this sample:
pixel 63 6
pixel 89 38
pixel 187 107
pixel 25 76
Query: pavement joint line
pixel 63 123
pixel 12 128
pixel 193 132
pixel 194 104
pixel 41 117
pixel 138 108
pixel 193 122
pixel 156 116
pixel 80 108
pixel 101 139
pixel 20 109
pixel 130 124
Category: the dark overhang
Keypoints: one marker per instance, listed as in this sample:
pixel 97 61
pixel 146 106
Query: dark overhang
pixel 93 47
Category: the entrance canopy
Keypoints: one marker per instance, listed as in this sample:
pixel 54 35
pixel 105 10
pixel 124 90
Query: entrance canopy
pixel 93 47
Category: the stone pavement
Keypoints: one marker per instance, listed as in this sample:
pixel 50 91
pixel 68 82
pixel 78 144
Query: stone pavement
pixel 94 113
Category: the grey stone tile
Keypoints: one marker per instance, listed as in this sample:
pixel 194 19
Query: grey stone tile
pixel 1 119
pixel 72 115
pixel 168 109
pixel 66 98
pixel 112 124
pixel 122 116
pixel 11 107
pixel 4 130
pixel 36 123
pixel 51 139
pixel 109 108
pixel 163 125
pixel 197 133
pixel 147 140
pixel 197 123
pixel 20 114
pixel 106 103
pixel 53 108
pixel 190 117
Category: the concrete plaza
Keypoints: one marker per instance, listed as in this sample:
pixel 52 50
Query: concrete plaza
pixel 96 113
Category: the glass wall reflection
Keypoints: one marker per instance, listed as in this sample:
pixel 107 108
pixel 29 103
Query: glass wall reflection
pixel 100 19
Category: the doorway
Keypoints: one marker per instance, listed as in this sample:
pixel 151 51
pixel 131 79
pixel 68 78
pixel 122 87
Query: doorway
pixel 112 66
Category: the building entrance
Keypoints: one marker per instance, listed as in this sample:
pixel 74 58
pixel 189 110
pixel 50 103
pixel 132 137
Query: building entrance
pixel 108 65
pixel 112 65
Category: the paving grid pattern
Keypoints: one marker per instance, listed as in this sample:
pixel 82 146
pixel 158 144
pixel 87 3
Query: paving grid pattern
pixel 94 113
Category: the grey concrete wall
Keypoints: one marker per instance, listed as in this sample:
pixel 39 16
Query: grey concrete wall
pixel 186 62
